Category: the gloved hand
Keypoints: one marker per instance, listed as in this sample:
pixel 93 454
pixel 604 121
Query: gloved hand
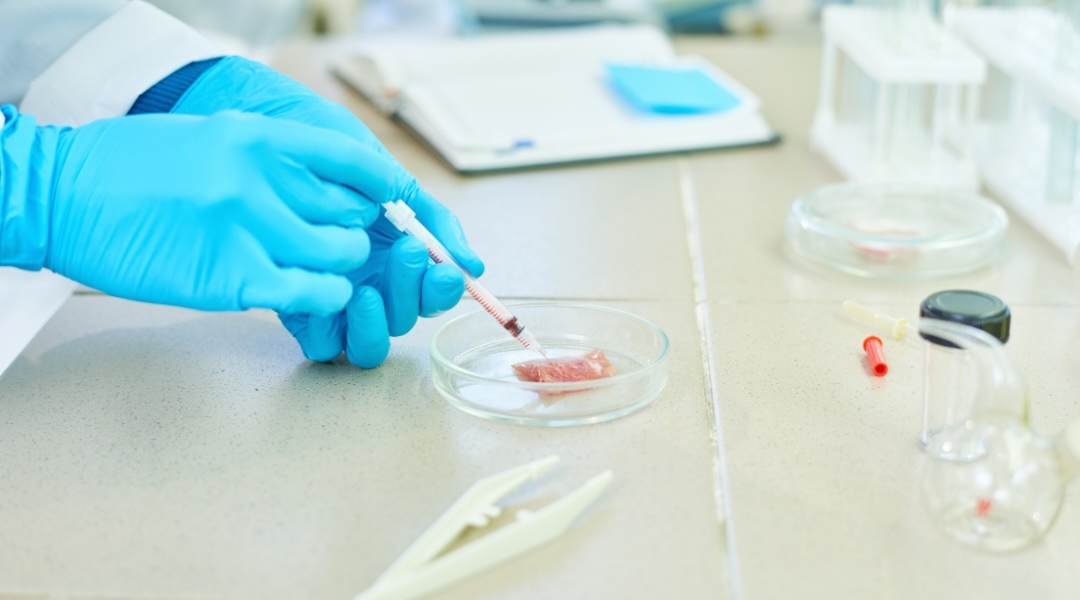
pixel 226 212
pixel 397 284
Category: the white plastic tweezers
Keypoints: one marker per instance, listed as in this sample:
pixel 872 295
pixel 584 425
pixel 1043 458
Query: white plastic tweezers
pixel 418 572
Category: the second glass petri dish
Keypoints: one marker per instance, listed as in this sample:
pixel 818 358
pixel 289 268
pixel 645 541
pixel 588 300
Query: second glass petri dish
pixel 894 230
pixel 471 358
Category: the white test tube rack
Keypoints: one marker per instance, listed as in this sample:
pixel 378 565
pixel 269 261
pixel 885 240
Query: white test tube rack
pixel 895 89
pixel 1026 142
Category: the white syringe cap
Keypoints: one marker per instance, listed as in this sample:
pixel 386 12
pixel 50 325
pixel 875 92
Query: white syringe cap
pixel 399 213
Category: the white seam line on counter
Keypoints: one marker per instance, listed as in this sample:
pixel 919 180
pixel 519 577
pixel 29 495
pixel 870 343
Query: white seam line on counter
pixel 701 308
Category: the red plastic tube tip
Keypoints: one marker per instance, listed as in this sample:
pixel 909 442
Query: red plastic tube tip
pixel 872 345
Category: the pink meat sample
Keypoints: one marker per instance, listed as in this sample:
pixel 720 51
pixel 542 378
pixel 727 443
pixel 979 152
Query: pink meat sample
pixel 593 365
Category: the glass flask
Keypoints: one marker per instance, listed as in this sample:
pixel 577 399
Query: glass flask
pixel 989 481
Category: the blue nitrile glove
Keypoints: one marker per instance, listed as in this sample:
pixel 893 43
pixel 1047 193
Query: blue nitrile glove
pixel 227 212
pixel 398 283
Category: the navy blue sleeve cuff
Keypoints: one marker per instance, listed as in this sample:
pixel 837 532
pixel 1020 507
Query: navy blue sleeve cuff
pixel 163 95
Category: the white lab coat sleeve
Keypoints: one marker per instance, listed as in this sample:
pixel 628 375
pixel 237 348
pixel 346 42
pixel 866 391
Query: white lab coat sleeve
pixel 33 33
pixel 102 74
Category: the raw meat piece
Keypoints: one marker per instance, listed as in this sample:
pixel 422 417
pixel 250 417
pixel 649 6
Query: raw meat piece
pixel 593 365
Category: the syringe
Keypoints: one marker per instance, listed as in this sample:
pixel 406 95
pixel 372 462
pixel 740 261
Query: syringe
pixel 898 327
pixel 404 219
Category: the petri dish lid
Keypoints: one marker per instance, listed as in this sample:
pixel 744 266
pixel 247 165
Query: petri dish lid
pixel 895 230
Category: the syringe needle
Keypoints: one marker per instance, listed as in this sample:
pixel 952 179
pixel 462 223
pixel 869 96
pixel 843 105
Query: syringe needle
pixel 498 310
pixel 404 219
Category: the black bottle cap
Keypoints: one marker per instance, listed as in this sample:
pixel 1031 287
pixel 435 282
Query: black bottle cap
pixel 977 309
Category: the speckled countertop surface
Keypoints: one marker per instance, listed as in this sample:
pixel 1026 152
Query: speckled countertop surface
pixel 151 451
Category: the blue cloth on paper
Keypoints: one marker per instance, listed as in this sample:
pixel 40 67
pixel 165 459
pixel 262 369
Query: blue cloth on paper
pixel 671 90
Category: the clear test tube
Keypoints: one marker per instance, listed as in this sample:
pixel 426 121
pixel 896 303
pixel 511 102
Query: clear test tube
pixel 1061 158
pixel 949 372
pixel 1067 42
pixel 905 24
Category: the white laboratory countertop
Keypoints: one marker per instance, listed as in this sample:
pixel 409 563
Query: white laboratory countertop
pixel 157 452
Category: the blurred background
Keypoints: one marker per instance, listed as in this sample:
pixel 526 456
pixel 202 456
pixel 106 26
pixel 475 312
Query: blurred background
pixel 255 27
pixel 965 93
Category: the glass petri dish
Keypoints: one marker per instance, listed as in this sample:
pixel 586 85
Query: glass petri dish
pixel 895 230
pixel 471 358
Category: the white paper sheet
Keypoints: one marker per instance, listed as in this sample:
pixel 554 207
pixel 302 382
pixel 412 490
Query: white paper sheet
pixel 27 301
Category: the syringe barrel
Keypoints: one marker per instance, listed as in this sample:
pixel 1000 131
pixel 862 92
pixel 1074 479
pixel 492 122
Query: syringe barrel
pixel 491 304
pixel 404 219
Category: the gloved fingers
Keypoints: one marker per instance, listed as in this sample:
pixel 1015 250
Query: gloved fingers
pixel 291 290
pixel 367 342
pixel 442 289
pixel 292 242
pixel 320 202
pixel 406 264
pixel 441 222
pixel 321 337
pixel 335 116
pixel 242 84
pixel 338 158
